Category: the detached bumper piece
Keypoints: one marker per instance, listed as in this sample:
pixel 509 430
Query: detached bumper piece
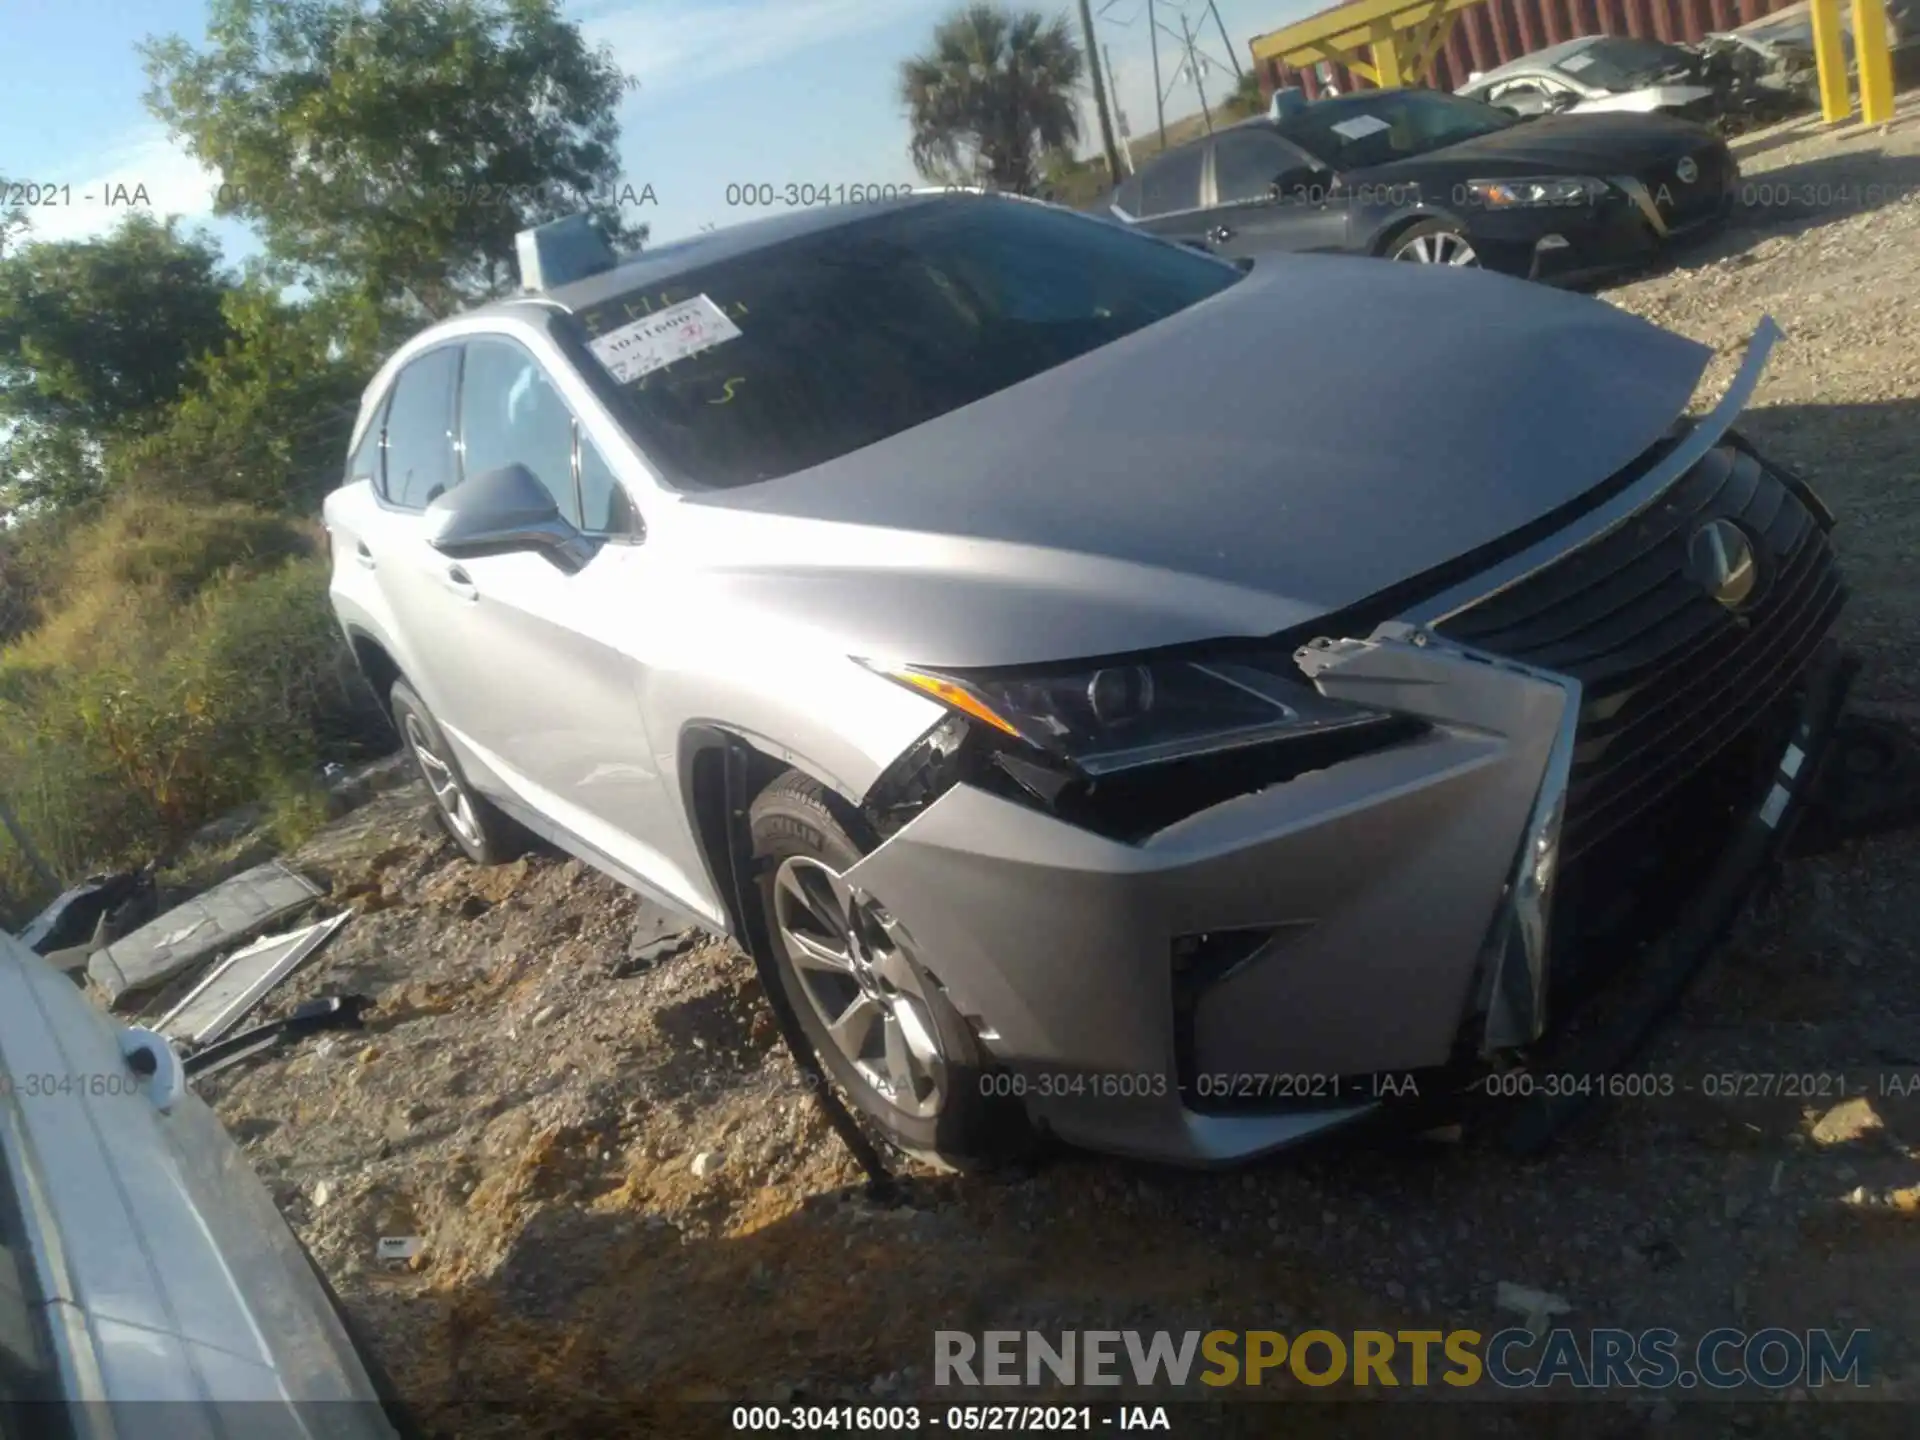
pixel 1697 633
pixel 1614 1027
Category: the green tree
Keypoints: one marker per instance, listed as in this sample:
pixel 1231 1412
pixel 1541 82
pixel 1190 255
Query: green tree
pixel 395 147
pixel 992 97
pixel 13 220
pixel 97 338
pixel 268 417
pixel 1245 98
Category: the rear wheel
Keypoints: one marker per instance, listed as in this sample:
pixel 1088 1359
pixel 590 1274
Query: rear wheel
pixel 478 827
pixel 880 1022
pixel 1434 242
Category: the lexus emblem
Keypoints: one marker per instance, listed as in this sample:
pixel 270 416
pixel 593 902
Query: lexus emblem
pixel 1720 560
pixel 1687 170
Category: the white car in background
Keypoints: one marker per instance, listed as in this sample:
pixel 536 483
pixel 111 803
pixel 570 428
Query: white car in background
pixel 1597 73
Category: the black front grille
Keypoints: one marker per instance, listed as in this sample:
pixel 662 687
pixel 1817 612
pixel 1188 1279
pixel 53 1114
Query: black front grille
pixel 1669 676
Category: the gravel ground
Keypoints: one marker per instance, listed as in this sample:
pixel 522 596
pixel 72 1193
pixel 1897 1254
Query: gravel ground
pixel 625 1196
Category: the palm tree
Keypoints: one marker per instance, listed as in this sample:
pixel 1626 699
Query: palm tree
pixel 992 96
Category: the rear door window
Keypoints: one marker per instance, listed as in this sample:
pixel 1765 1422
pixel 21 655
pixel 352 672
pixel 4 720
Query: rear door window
pixel 1172 183
pixel 419 452
pixel 364 464
pixel 1247 163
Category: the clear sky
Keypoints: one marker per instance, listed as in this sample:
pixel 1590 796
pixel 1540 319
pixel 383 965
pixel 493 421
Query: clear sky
pixel 732 92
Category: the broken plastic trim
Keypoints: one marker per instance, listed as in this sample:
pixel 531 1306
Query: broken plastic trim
pixel 1511 988
pixel 1128 806
pixel 1619 500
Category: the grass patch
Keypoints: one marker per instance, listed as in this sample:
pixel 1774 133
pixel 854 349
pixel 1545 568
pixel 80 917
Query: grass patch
pixel 187 662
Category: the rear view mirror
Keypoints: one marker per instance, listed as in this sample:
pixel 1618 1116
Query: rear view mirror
pixel 501 511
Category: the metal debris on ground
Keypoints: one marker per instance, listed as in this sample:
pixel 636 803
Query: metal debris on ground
pixel 231 911
pixel 120 901
pixel 241 981
pixel 1537 1306
pixel 658 934
pixel 1870 785
pixel 324 1012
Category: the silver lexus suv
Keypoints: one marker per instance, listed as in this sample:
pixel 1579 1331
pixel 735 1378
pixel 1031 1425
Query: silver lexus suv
pixel 1109 712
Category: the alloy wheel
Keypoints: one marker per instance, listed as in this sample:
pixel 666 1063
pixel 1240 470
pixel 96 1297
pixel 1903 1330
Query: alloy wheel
pixel 1438 247
pixel 448 793
pixel 856 972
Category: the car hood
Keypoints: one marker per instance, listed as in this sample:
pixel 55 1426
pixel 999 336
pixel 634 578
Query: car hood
pixel 1586 143
pixel 1646 99
pixel 1318 432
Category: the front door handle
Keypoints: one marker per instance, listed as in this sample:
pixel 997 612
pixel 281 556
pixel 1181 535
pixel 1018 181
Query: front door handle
pixel 1220 234
pixel 363 556
pixel 461 583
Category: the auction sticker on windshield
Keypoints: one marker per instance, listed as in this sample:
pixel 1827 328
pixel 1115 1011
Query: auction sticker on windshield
pixel 1360 127
pixel 1574 64
pixel 655 341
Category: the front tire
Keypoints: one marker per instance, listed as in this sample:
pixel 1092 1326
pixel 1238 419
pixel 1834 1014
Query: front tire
pixel 880 1022
pixel 1434 242
pixel 484 834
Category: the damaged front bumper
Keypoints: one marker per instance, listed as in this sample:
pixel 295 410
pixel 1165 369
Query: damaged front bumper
pixel 1286 961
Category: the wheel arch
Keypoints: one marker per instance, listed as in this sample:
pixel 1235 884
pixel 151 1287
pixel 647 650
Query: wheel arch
pixel 716 816
pixel 1384 237
pixel 377 664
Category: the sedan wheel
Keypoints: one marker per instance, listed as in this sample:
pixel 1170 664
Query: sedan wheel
pixel 856 972
pixel 1437 247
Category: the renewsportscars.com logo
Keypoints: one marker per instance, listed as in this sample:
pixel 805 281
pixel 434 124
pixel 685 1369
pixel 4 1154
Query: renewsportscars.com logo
pixel 1514 1359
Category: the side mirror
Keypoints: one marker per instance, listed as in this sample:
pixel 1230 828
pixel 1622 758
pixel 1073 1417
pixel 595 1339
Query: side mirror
pixel 501 511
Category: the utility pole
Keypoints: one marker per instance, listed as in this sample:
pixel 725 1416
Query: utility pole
pixel 1193 68
pixel 1099 92
pixel 1232 54
pixel 1119 115
pixel 1159 95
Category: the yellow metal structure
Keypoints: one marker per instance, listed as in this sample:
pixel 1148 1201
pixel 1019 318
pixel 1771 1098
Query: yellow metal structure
pixel 1393 42
pixel 1876 65
pixel 1403 36
pixel 1835 103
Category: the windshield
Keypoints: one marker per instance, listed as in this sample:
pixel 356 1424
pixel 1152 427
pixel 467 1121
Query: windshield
pixel 1622 63
pixel 1378 127
pixel 815 347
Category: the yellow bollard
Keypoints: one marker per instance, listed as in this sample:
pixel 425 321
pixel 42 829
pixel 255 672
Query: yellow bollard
pixel 1835 104
pixel 1876 66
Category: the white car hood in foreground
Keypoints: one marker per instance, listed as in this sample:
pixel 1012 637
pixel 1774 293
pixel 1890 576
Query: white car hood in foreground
pixel 161 1265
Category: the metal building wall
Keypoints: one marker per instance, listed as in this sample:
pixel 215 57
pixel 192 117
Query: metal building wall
pixel 1496 31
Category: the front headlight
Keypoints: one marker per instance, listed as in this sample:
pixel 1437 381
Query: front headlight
pixel 1110 718
pixel 1529 193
